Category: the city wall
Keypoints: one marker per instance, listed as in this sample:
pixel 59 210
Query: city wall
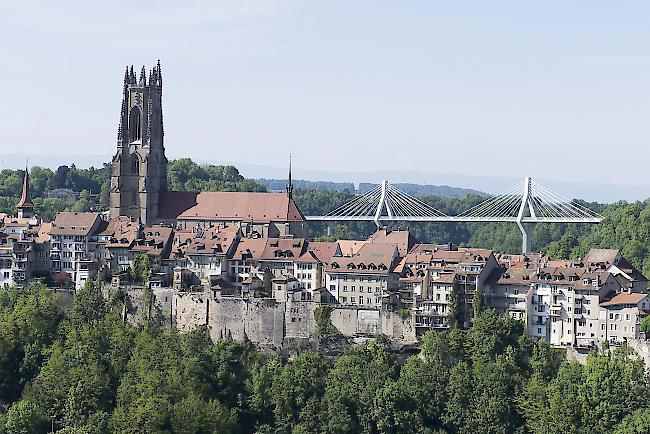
pixel 270 324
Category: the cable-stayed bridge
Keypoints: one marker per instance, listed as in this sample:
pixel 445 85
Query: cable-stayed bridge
pixel 525 204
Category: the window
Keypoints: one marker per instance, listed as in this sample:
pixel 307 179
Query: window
pixel 539 330
pixel 134 124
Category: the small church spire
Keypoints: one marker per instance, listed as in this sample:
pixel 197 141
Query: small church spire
pixel 25 206
pixel 289 181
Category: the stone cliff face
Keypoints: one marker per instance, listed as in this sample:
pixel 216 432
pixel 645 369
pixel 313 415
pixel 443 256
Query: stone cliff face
pixel 276 325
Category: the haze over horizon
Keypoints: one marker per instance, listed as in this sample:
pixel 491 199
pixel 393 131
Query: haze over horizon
pixel 475 91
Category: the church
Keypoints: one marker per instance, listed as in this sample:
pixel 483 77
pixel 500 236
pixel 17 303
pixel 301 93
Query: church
pixel 139 177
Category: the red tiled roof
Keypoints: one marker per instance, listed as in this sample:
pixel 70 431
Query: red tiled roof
pixel 625 298
pixel 400 238
pixel 156 240
pixel 74 223
pixel 229 206
pixel 324 250
pixel 249 248
pixel 283 249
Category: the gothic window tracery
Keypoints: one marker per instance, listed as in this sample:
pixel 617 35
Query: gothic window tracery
pixel 134 124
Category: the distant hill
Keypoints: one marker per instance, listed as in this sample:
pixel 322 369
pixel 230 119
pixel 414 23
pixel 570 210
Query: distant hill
pixel 302 184
pixel 412 189
pixel 426 190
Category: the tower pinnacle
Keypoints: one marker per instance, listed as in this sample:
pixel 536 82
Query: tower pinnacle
pixel 289 181
pixel 25 205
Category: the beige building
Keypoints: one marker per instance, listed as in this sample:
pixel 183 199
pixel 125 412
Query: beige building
pixel 71 247
pixel 620 317
pixel 365 278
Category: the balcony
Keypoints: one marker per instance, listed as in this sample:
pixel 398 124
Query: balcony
pixel 556 310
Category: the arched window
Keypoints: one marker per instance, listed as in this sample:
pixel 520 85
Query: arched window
pixel 135 164
pixel 134 124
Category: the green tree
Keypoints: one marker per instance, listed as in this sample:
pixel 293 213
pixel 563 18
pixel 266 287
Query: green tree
pixel 24 418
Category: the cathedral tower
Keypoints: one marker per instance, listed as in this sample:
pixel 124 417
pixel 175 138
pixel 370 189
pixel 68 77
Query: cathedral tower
pixel 139 165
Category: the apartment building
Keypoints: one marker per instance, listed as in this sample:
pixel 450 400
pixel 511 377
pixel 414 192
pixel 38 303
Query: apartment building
pixel 205 252
pixel 509 291
pixel 621 316
pixel 71 237
pixel 364 278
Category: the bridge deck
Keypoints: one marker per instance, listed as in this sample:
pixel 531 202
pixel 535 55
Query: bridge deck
pixel 452 219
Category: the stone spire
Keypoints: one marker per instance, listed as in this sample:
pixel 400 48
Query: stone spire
pixel 25 205
pixel 143 75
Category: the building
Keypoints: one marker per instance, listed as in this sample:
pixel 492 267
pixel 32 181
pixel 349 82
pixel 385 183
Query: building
pixel 205 252
pixel 620 317
pixel 139 177
pixel 365 278
pixel 72 249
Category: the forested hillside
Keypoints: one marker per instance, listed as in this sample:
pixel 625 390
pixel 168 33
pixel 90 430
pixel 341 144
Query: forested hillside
pixel 86 371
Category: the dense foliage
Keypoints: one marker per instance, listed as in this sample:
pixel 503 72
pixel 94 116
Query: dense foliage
pixel 87 371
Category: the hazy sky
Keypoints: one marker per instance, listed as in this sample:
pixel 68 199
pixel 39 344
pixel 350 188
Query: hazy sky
pixel 557 89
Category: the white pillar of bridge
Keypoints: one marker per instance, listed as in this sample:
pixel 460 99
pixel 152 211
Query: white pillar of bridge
pixel 526 229
pixel 382 203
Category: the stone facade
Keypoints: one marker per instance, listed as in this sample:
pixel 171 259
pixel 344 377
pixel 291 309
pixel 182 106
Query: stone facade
pixel 139 166
pixel 270 324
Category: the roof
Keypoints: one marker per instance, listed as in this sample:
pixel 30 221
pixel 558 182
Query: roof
pixel 625 298
pixel 249 249
pixel 428 248
pixel 25 201
pixel 595 256
pixel 285 278
pixel 308 257
pixel 74 223
pixel 283 249
pixel 155 242
pixel 228 206
pixel 401 238
pixel 350 247
pixel 209 241
pixel 524 260
pixel 574 276
pixel 513 276
pixel 44 233
pixel 372 258
pixel 324 250
pixel 120 231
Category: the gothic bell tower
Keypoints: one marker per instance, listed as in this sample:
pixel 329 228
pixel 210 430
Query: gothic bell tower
pixel 139 165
